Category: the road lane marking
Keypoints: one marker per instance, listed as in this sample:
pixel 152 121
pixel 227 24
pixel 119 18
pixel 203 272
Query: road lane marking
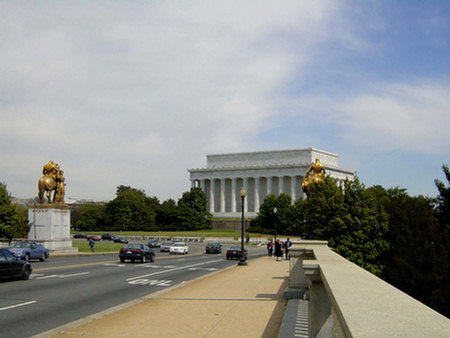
pixel 143 281
pixel 63 276
pixel 203 269
pixel 174 269
pixel 17 305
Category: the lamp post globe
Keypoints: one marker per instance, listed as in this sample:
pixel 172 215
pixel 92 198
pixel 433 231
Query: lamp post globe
pixel 243 259
pixel 275 224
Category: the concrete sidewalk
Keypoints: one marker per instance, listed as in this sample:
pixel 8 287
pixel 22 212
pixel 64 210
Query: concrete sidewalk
pixel 239 302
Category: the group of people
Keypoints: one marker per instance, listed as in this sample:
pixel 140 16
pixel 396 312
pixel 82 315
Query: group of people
pixel 281 248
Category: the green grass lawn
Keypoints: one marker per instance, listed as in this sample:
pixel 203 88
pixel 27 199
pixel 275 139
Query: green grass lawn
pixel 101 246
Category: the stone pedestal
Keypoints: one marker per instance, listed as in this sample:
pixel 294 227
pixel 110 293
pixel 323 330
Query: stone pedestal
pixel 51 227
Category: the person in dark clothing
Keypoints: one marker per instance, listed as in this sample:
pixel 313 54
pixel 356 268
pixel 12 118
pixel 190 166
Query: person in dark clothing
pixel 92 244
pixel 270 248
pixel 278 250
pixel 286 246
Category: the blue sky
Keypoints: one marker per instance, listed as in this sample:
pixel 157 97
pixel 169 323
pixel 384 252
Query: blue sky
pixel 137 92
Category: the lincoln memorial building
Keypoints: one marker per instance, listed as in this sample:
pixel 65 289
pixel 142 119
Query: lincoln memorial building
pixel 260 174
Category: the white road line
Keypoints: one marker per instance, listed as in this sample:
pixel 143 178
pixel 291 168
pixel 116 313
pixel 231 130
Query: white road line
pixel 63 276
pixel 17 305
pixel 174 269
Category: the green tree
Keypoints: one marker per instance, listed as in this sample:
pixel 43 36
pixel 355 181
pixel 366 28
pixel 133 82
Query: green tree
pixel 443 200
pixel 91 217
pixel 192 213
pixel 131 210
pixel 13 224
pixel 166 217
pixel 418 259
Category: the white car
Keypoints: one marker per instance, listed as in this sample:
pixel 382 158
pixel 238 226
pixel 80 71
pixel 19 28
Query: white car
pixel 179 248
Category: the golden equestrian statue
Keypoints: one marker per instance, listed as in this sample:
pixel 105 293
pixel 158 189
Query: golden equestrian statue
pixel 52 181
pixel 318 173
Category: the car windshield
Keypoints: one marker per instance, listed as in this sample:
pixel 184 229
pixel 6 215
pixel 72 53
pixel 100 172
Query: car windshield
pixel 167 243
pixel 179 244
pixel 20 245
pixel 213 244
pixel 134 246
pixel 235 248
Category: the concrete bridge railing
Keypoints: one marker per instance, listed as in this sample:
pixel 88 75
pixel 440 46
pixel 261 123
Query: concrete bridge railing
pixel 348 301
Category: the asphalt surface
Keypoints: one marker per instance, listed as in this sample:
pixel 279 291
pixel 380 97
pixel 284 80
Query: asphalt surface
pixel 69 288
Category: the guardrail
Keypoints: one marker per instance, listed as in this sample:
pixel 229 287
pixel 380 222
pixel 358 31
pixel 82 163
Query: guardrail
pixel 346 301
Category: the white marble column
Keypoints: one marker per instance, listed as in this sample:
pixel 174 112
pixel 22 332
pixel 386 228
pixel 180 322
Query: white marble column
pixel 222 195
pixel 233 194
pixel 202 185
pixel 280 184
pixel 245 186
pixel 211 195
pixel 257 188
pixel 293 188
pixel 269 185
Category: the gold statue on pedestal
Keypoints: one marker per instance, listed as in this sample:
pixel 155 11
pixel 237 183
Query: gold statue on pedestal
pixel 318 173
pixel 52 181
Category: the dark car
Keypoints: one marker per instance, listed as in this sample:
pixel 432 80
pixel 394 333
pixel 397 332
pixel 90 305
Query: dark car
pixel 213 247
pixel 154 243
pixel 108 237
pixel 137 252
pixel 12 266
pixel 93 237
pixel 29 250
pixel 120 240
pixel 80 235
pixel 235 252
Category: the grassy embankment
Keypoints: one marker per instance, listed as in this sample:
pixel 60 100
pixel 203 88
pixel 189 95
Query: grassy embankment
pixel 106 246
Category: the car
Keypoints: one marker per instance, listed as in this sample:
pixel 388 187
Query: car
pixel 213 247
pixel 120 240
pixel 136 251
pixel 179 248
pixel 108 237
pixel 12 266
pixel 165 246
pixel 93 237
pixel 29 250
pixel 80 235
pixel 154 243
pixel 235 252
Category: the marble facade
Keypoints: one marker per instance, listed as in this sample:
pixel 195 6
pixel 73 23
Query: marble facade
pixel 259 173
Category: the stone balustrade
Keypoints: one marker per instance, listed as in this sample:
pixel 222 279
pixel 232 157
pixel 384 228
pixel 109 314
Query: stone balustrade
pixel 348 301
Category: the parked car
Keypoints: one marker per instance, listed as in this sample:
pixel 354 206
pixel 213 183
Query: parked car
pixel 235 252
pixel 29 250
pixel 12 266
pixel 154 243
pixel 108 237
pixel 165 246
pixel 80 235
pixel 120 240
pixel 213 247
pixel 136 251
pixel 179 248
pixel 93 237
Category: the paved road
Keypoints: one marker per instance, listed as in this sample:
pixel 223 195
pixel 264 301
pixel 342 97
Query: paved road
pixel 64 289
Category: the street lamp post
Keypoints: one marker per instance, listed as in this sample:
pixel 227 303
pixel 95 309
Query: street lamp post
pixel 275 224
pixel 243 260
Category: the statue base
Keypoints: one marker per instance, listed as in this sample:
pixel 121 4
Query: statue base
pixel 51 227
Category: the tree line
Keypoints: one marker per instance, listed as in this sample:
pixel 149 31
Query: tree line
pixel 132 210
pixel 401 238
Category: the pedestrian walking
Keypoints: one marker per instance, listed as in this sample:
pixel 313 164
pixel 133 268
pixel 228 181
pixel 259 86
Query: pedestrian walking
pixel 278 250
pixel 92 244
pixel 286 246
pixel 270 248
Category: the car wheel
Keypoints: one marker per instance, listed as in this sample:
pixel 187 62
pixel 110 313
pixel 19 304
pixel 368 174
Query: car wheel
pixel 152 259
pixel 122 260
pixel 26 272
pixel 43 257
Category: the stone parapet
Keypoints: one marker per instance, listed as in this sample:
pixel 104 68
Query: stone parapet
pixel 348 301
